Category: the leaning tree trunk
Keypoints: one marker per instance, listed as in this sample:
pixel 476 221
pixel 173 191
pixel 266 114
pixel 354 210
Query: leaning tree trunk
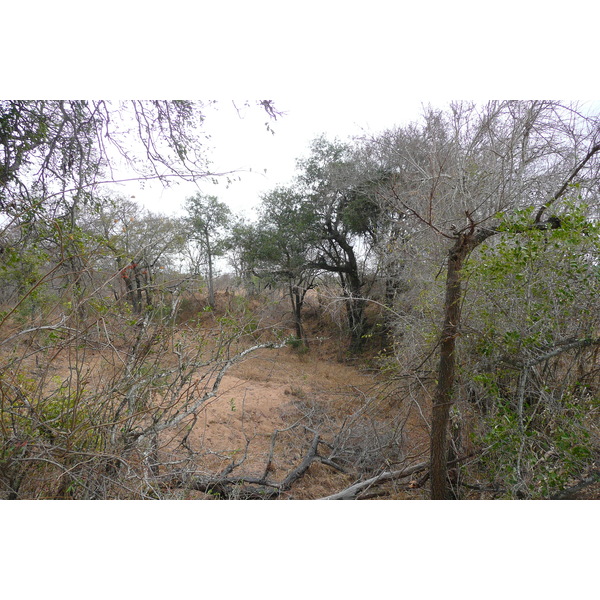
pixel 443 398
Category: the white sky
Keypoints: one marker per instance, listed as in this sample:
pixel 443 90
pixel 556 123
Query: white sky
pixel 241 142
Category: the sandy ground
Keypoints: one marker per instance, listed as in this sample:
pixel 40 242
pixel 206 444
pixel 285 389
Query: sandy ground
pixel 268 393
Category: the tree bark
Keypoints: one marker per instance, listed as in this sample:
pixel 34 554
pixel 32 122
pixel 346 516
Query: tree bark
pixel 211 290
pixel 297 301
pixel 443 398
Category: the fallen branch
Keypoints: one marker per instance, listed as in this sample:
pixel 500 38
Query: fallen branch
pixel 299 471
pixel 250 488
pixel 351 492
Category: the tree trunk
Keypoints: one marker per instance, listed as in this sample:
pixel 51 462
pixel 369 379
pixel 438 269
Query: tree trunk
pixel 138 287
pixel 443 398
pixel 211 290
pixel 356 317
pixel 355 309
pixel 130 293
pixel 346 265
pixel 297 300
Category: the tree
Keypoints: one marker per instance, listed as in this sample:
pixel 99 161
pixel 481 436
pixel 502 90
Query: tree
pixel 238 244
pixel 338 188
pixel 139 242
pixel 284 246
pixel 208 221
pixel 457 173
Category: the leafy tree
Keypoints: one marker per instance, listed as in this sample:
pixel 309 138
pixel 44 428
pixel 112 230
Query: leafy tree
pixel 208 221
pixel 339 189
pixel 284 246
pixel 238 244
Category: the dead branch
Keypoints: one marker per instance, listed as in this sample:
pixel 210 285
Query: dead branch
pixel 299 471
pixel 593 150
pixel 351 492
pixel 249 487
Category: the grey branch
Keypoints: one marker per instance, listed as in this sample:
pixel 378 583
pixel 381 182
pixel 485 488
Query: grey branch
pixel 351 492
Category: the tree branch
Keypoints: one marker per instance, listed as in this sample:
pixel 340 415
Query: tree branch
pixel 568 180
pixel 351 492
pixel 558 349
pixel 570 492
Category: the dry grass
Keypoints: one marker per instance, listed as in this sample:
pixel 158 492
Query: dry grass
pixel 266 408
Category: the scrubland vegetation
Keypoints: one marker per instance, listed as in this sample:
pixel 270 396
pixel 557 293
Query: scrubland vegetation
pixel 414 316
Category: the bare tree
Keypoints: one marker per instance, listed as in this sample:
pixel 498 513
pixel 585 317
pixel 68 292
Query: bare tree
pixel 459 175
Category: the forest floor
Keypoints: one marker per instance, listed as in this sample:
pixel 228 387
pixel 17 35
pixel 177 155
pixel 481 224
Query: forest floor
pixel 270 405
pixel 273 390
pixel 261 424
pixel 267 410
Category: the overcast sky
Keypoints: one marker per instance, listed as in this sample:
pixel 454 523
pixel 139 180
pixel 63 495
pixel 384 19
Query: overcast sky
pixel 264 159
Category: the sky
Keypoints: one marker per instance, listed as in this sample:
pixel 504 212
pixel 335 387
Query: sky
pixel 264 158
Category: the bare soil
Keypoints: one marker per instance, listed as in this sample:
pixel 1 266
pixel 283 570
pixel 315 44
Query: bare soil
pixel 268 407
pixel 270 392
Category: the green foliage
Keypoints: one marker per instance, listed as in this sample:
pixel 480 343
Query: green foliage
pixel 284 239
pixel 551 452
pixel 298 345
pixel 532 291
pixel 239 320
pixel 544 281
pixel 206 215
pixel 22 272
pixel 63 416
pixel 362 212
